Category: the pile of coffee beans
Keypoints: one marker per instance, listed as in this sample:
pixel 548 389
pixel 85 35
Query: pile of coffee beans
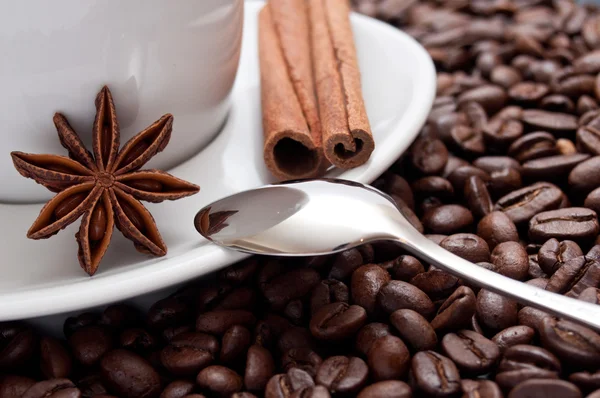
pixel 506 174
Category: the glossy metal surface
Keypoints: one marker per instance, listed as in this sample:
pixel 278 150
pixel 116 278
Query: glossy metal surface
pixel 323 216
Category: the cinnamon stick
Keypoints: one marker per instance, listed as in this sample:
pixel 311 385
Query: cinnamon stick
pixel 292 131
pixel 346 133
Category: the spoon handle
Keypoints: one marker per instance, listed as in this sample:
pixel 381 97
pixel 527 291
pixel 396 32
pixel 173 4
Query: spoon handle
pixel 553 303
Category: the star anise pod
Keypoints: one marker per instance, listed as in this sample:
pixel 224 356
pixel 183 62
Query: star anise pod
pixel 105 186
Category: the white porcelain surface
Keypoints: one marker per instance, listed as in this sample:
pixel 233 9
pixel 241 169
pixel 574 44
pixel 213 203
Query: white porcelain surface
pixel 43 277
pixel 157 56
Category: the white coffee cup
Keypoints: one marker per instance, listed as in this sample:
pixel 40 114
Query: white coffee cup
pixel 156 56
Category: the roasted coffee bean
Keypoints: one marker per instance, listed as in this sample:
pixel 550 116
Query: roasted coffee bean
pixel 260 366
pixel 549 121
pixel 591 295
pixel 458 177
pixel 573 343
pixel 129 375
pixel 505 76
pixel 551 168
pixel 433 186
pixel 429 156
pixel 17 344
pixel 585 103
pixel 510 259
pixel 408 214
pixel 404 267
pixel 467 140
pixel 521 205
pixel 495 312
pixel 573 223
pixel 189 352
pixel 387 389
pixel 491 97
pixel 512 336
pixel 178 389
pixel 527 356
pixel 533 146
pixel 295 337
pixel 557 103
pixel 367 280
pixel 532 317
pixel 456 312
pixel 592 201
pixel 414 330
pixel 90 343
pixel 478 197
pixel 343 375
pixel 435 375
pixel 436 284
pixel 447 219
pixel 586 381
pixel 14 386
pixel 504 181
pixel 584 177
pixel 284 385
pixel 397 295
pixel 480 388
pixel 388 358
pixel 289 286
pixel 595 394
pixel 168 312
pixel 545 388
pixel 219 380
pixel 345 263
pixel 235 342
pixel 396 185
pixel 553 254
pixel 574 276
pixel 326 292
pixel 468 246
pixel 497 227
pixel 528 93
pixel 337 321
pixel 452 164
pixel 120 316
pixel 137 340
pixel 496 163
pixel 512 378
pixel 53 388
pixel 534 270
pixel 217 322
pixel 368 334
pixel 302 358
pixel 588 140
pixel 55 361
pixel 470 351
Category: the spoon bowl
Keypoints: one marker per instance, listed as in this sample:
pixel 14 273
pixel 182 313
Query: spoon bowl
pixel 324 216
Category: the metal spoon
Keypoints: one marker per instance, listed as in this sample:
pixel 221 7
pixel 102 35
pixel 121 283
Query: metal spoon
pixel 317 217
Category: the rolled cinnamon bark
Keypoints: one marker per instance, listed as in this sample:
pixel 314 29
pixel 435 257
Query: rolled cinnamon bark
pixel 292 131
pixel 346 133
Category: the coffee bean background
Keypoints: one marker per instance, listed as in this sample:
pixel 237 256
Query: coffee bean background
pixel 505 173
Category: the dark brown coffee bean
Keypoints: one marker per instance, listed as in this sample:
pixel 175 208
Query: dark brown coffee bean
pixel 533 146
pixel 549 121
pixel 137 340
pixel 189 352
pixel 236 341
pixel 478 197
pixel 557 103
pixel 505 76
pixel 178 389
pixel 490 97
pixel 433 186
pixel 168 312
pixel 468 246
pixel 386 389
pixel 574 223
pixel 512 336
pixel 91 385
pixel 500 133
pixel 397 295
pixel 592 201
pixel 595 394
pixel 429 156
pixel 552 167
pixel 343 375
pixel 512 378
pixel 239 273
pixel 403 268
pixel 169 333
pixel 452 164
pixel 585 103
pixel 585 380
pixel 594 253
pixel 496 163
pixel 120 316
pixel 217 322
pixel 534 270
pixel 496 228
pixel 591 295
pixel 302 358
pixel 367 280
pixel 496 312
pixel 260 366
pixel 129 375
pixel 528 93
pixel 480 388
pixel 447 219
pixel 408 214
pixel 521 205
pixel 588 140
pixel 284 385
pixel 219 380
pixel 584 177
pixel 396 185
pixel 53 388
pixel 55 361
pixel 571 342
pixel 532 317
pixel 388 358
pixel 368 334
pixel 436 284
pixel 456 312
pixel 345 263
pixel 574 276
pixel 504 181
pixel 435 375
pixel 458 177
pixel 545 388
pixel 14 386
pixel 17 344
pixel 337 321
pixel 510 259
pixel 467 140
pixel 414 330
pixel 527 356
pixel 470 351
pixel 328 291
pixel 295 337
pixel 553 254
pixel 90 343
pixel 289 286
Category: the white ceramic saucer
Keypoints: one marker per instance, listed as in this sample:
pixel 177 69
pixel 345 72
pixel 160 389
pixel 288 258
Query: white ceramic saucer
pixel 39 278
